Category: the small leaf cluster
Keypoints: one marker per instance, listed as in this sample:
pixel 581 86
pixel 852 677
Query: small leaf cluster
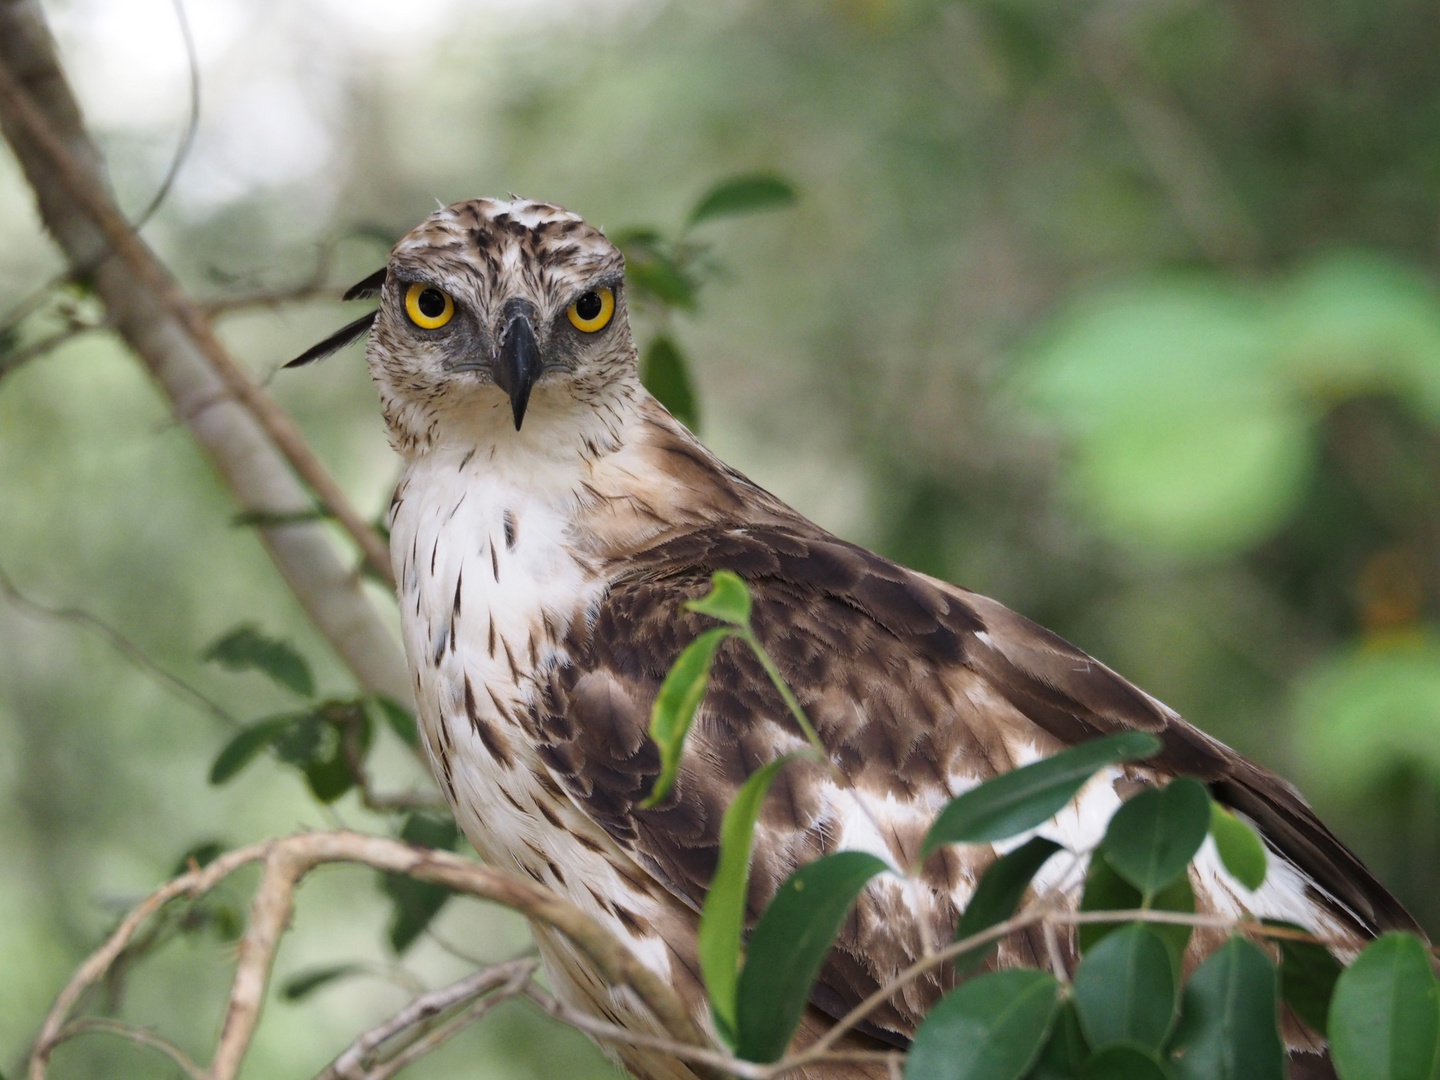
pixel 665 273
pixel 328 741
pixel 1128 1012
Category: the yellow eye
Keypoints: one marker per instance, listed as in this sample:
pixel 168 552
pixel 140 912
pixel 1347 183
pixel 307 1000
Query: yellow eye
pixel 593 310
pixel 428 307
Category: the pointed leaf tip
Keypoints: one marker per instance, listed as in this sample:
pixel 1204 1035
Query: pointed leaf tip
pixel 1241 851
pixel 1028 796
pixel 998 895
pixel 728 600
pixel 722 921
pixel 246 647
pixel 743 195
pixel 675 706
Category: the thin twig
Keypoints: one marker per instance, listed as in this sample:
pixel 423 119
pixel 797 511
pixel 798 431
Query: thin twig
pixel 10 361
pixel 354 1062
pixel 121 644
pixel 288 860
pixel 131 250
pixel 138 1035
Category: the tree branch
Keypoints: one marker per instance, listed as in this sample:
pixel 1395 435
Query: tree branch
pixel 285 862
pixel 252 442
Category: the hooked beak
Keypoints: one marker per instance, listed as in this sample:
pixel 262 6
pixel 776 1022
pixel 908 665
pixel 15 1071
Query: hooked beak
pixel 518 364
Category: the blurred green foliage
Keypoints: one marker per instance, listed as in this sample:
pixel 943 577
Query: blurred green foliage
pixel 1123 314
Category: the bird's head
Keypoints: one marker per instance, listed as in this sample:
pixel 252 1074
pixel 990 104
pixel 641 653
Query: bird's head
pixel 492 312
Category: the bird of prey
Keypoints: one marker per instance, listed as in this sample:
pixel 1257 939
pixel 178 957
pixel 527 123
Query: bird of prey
pixel 551 521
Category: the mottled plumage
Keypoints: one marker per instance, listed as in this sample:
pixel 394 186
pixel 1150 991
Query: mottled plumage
pixel 551 521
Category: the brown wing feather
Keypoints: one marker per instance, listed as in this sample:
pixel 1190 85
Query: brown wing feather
pixel 908 681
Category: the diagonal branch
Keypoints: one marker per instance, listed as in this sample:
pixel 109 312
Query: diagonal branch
pixel 252 442
pixel 285 862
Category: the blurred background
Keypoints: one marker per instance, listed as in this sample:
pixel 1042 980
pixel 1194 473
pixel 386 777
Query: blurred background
pixel 1121 312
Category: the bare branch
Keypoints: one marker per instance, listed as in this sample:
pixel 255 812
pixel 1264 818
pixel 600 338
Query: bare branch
pixel 251 441
pixel 121 644
pixel 358 1057
pixel 288 860
pixel 138 1035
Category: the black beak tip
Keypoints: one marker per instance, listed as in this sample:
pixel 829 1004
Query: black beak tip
pixel 518 408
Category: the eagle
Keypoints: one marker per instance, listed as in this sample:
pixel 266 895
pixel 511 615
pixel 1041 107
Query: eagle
pixel 551 522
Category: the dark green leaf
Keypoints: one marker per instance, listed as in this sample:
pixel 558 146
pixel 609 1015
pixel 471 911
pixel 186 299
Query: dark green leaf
pixel 261 519
pixel 1307 977
pixel 1123 1063
pixel 1384 1023
pixel 789 946
pixel 662 280
pixel 674 710
pixel 998 895
pixel 989 1028
pixel 201 854
pixel 663 371
pixel 1065 1050
pixel 1152 838
pixel 1229 1018
pixel 245 648
pixel 306 739
pixel 1240 849
pixel 743 195
pixel 400 720
pixel 304 983
pixel 243 748
pixel 330 774
pixel 722 921
pixel 728 599
pixel 1125 990
pixel 1105 890
pixel 416 903
pixel 1023 798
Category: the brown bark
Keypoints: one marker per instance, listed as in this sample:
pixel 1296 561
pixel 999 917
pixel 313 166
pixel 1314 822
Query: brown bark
pixel 255 447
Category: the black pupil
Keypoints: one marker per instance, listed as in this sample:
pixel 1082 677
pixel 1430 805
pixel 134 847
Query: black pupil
pixel 588 306
pixel 431 303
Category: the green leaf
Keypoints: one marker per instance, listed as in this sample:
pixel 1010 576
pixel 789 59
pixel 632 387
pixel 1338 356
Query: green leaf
pixel 1105 890
pixel 201 854
pixel 789 947
pixel 1152 838
pixel 659 276
pixel 674 710
pixel 722 921
pixel 1125 990
pixel 245 648
pixel 400 720
pixel 1384 1023
pixel 1307 976
pixel 1229 1019
pixel 416 903
pixel 743 195
pixel 1065 1050
pixel 1123 1063
pixel 989 1028
pixel 330 774
pixel 998 895
pixel 1240 849
pixel 1023 798
pixel 304 983
pixel 728 600
pixel 307 738
pixel 243 748
pixel 663 371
